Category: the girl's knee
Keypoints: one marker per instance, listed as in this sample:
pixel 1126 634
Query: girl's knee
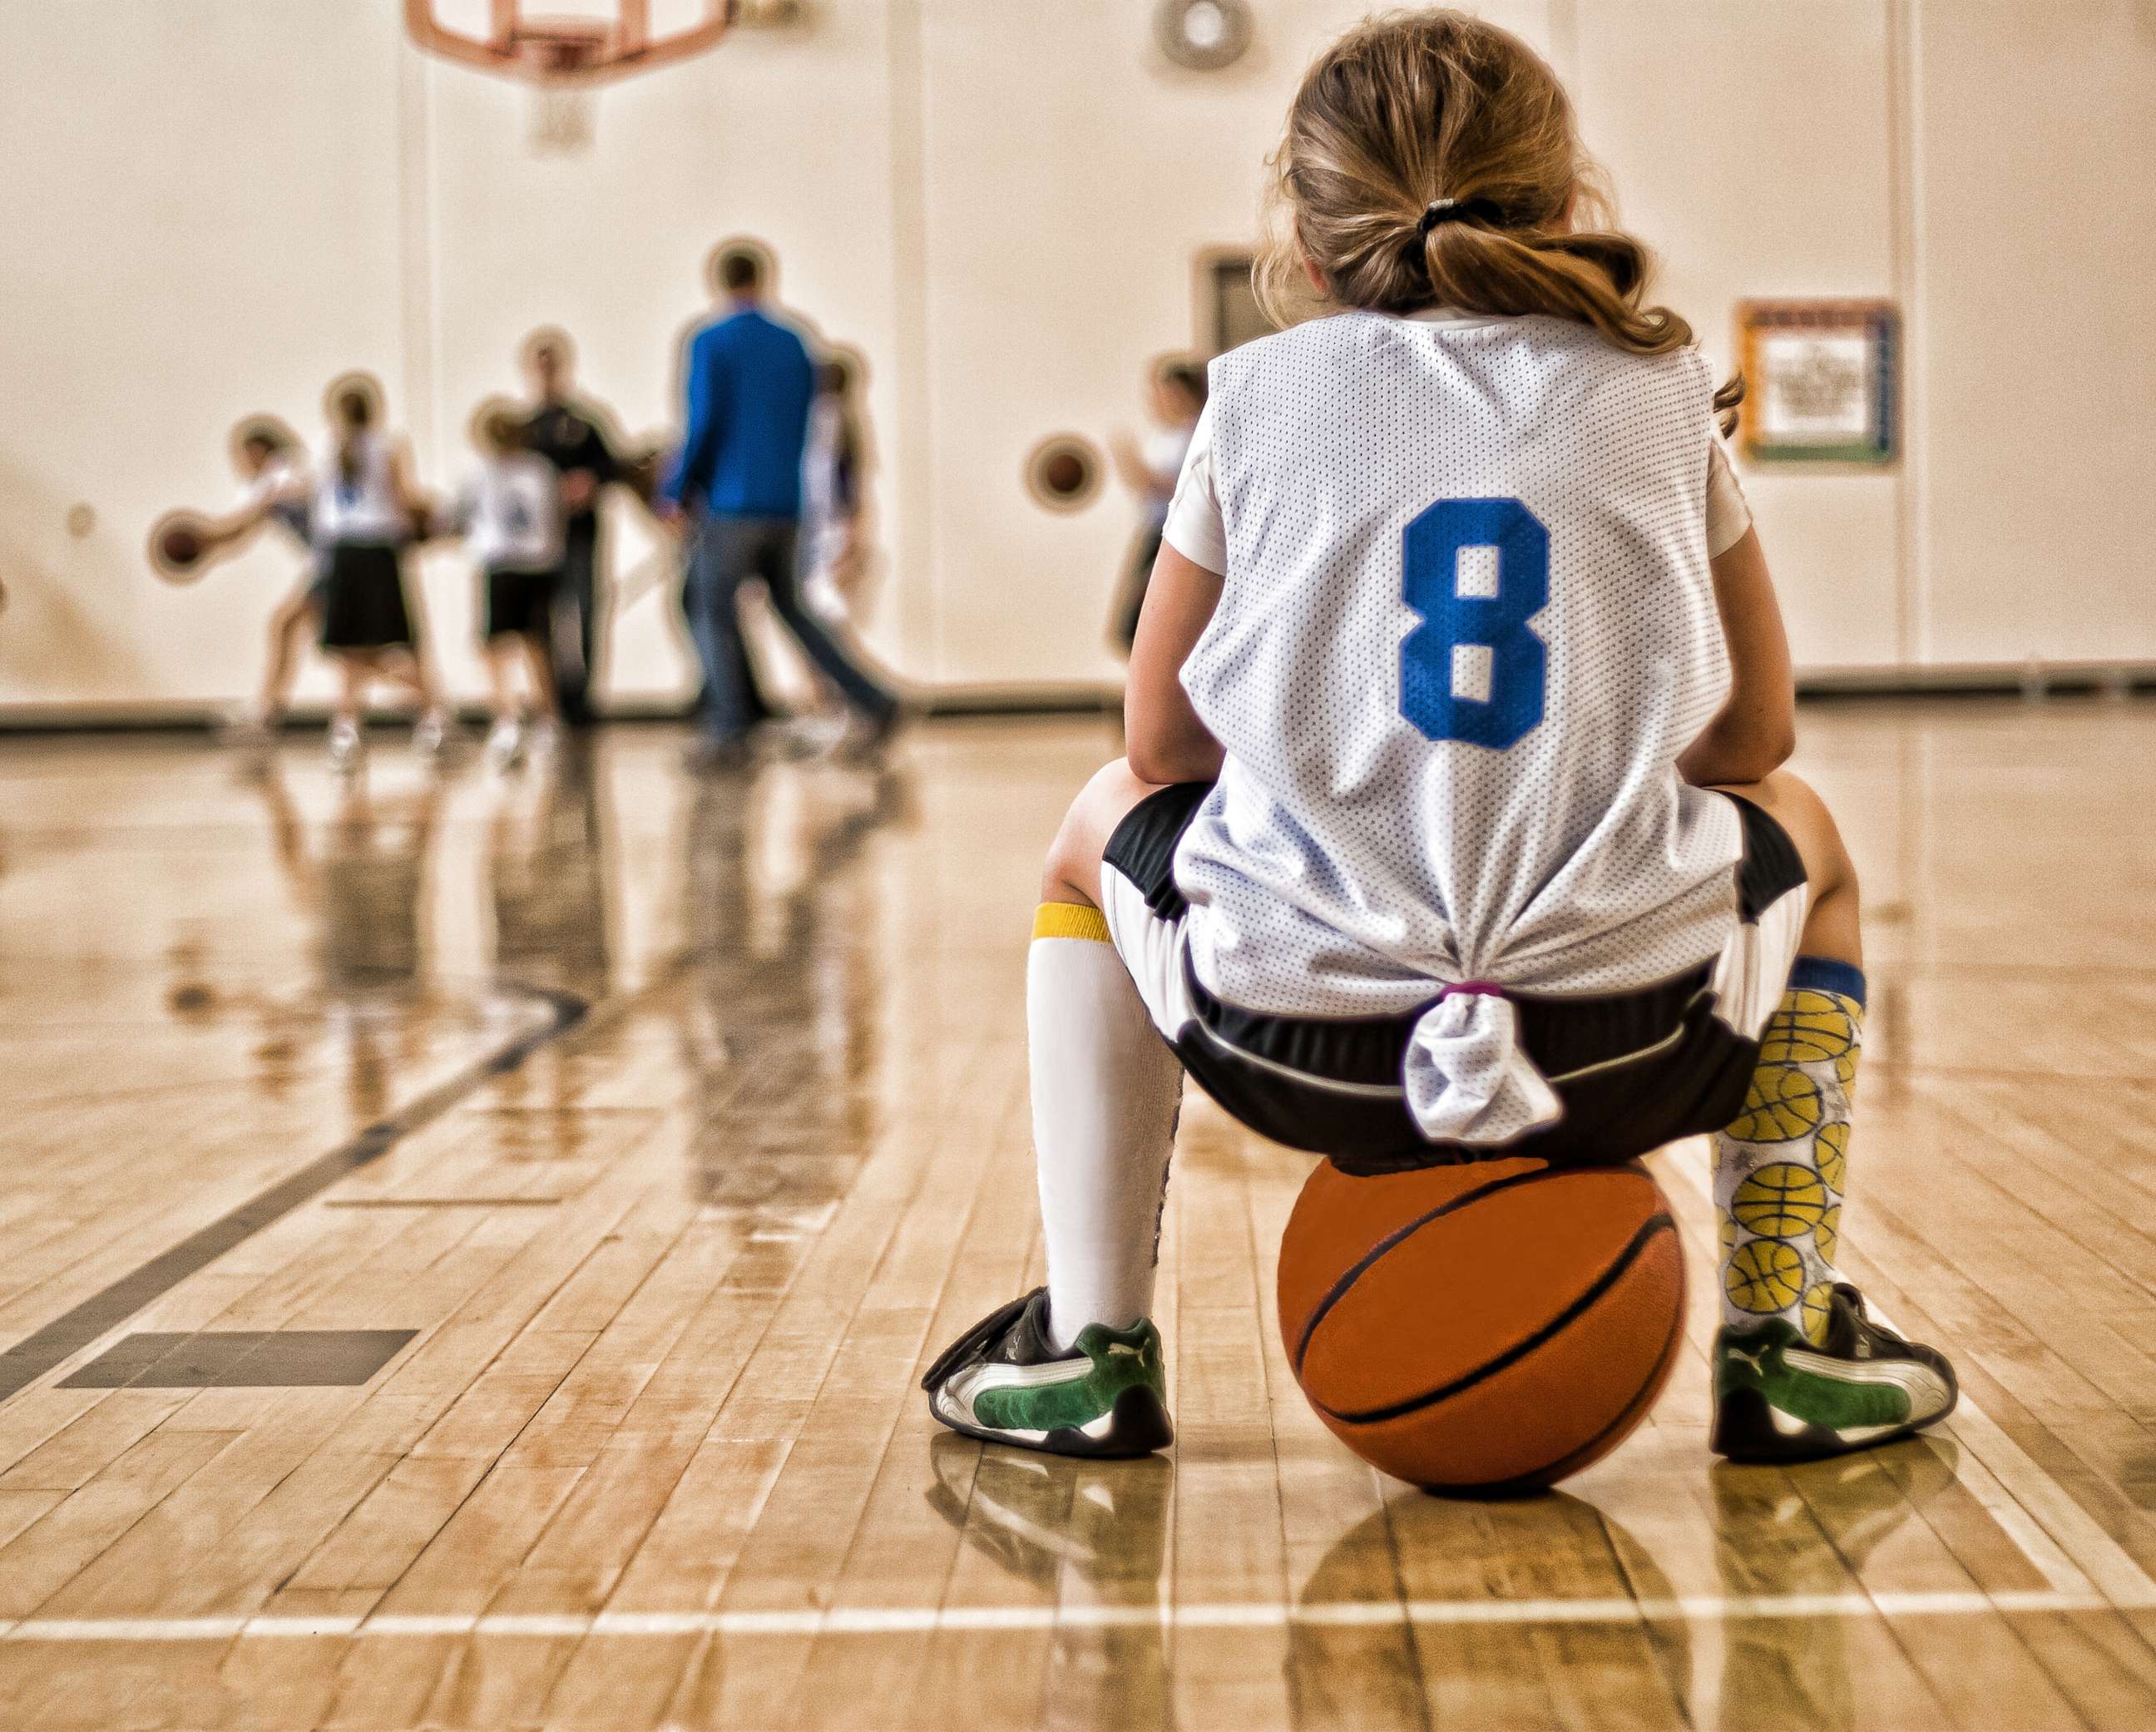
pixel 1062 873
pixel 1072 869
pixel 1795 805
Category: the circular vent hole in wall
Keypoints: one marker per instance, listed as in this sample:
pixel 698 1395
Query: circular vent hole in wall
pixel 1063 472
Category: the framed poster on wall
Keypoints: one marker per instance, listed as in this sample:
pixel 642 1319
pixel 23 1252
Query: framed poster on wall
pixel 1229 315
pixel 1823 381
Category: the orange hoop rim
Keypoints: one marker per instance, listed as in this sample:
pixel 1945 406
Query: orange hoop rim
pixel 553 51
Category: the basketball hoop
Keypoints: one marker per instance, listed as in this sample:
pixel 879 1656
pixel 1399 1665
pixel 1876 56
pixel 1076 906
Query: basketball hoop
pixel 566 58
pixel 562 116
pixel 554 52
pixel 558 57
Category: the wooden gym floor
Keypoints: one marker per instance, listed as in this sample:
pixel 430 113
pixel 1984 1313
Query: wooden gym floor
pixel 508 1368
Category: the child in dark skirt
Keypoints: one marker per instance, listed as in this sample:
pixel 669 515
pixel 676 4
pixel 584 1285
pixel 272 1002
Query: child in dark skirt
pixel 366 512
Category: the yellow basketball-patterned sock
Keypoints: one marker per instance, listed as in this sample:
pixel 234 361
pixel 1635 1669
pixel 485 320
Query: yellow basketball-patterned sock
pixel 1779 1167
pixel 1106 1092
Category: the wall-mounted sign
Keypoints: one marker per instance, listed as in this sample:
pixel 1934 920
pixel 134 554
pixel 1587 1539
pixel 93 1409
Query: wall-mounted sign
pixel 1228 314
pixel 1823 380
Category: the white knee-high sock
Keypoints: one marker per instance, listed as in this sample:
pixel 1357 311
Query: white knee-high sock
pixel 1106 1091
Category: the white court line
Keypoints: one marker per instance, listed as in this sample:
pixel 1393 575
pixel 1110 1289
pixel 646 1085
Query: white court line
pixel 922 1620
pixel 2066 1545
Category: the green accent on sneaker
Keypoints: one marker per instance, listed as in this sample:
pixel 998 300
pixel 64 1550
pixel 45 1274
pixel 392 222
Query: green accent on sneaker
pixel 1756 1361
pixel 1118 1361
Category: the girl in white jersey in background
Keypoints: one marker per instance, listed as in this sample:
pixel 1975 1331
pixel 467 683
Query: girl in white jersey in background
pixel 366 510
pixel 275 488
pixel 1452 821
pixel 835 490
pixel 509 512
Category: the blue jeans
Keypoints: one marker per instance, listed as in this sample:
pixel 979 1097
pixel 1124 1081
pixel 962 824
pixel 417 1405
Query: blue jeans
pixel 728 550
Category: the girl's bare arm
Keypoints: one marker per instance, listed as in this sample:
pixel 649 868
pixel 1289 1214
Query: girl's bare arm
pixel 1164 739
pixel 1756 730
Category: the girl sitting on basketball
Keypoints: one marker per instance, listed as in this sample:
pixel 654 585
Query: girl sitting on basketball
pixel 1452 820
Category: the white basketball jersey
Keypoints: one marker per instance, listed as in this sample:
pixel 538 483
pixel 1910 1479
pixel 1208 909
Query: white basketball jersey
pixel 363 509
pixel 1467 626
pixel 511 513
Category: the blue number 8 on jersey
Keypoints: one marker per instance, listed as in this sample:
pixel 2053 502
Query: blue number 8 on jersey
pixel 1495 621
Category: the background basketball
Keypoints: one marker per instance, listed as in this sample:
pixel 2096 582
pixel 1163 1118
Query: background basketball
pixel 1484 1328
pixel 177 543
pixel 642 469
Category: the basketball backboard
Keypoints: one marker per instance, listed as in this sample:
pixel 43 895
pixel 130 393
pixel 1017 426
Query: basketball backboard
pixel 565 56
pixel 583 47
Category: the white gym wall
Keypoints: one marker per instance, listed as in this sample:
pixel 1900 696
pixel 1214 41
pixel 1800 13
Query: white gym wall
pixel 1000 202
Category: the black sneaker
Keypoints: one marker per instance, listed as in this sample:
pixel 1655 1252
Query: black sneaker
pixel 1776 1398
pixel 1001 1382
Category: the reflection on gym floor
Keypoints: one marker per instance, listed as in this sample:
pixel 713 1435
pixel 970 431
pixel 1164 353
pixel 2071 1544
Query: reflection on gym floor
pixel 654 1283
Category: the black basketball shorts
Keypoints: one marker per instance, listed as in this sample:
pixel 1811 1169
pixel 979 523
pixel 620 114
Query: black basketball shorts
pixel 1632 1069
pixel 519 604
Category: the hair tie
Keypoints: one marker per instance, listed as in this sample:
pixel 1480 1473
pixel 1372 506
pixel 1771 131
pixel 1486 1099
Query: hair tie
pixel 1459 210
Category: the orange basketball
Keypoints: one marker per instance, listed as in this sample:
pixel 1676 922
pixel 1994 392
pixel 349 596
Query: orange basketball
pixel 178 543
pixel 1488 1327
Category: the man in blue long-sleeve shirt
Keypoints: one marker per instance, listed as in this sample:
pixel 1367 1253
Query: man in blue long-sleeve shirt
pixel 738 483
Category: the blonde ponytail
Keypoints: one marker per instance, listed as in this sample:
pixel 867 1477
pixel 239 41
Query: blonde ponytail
pixel 354 403
pixel 1432 160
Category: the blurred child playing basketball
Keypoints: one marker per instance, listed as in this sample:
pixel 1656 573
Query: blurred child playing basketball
pixel 509 514
pixel 276 487
pixel 1453 820
pixel 367 510
pixel 272 466
pixel 273 469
